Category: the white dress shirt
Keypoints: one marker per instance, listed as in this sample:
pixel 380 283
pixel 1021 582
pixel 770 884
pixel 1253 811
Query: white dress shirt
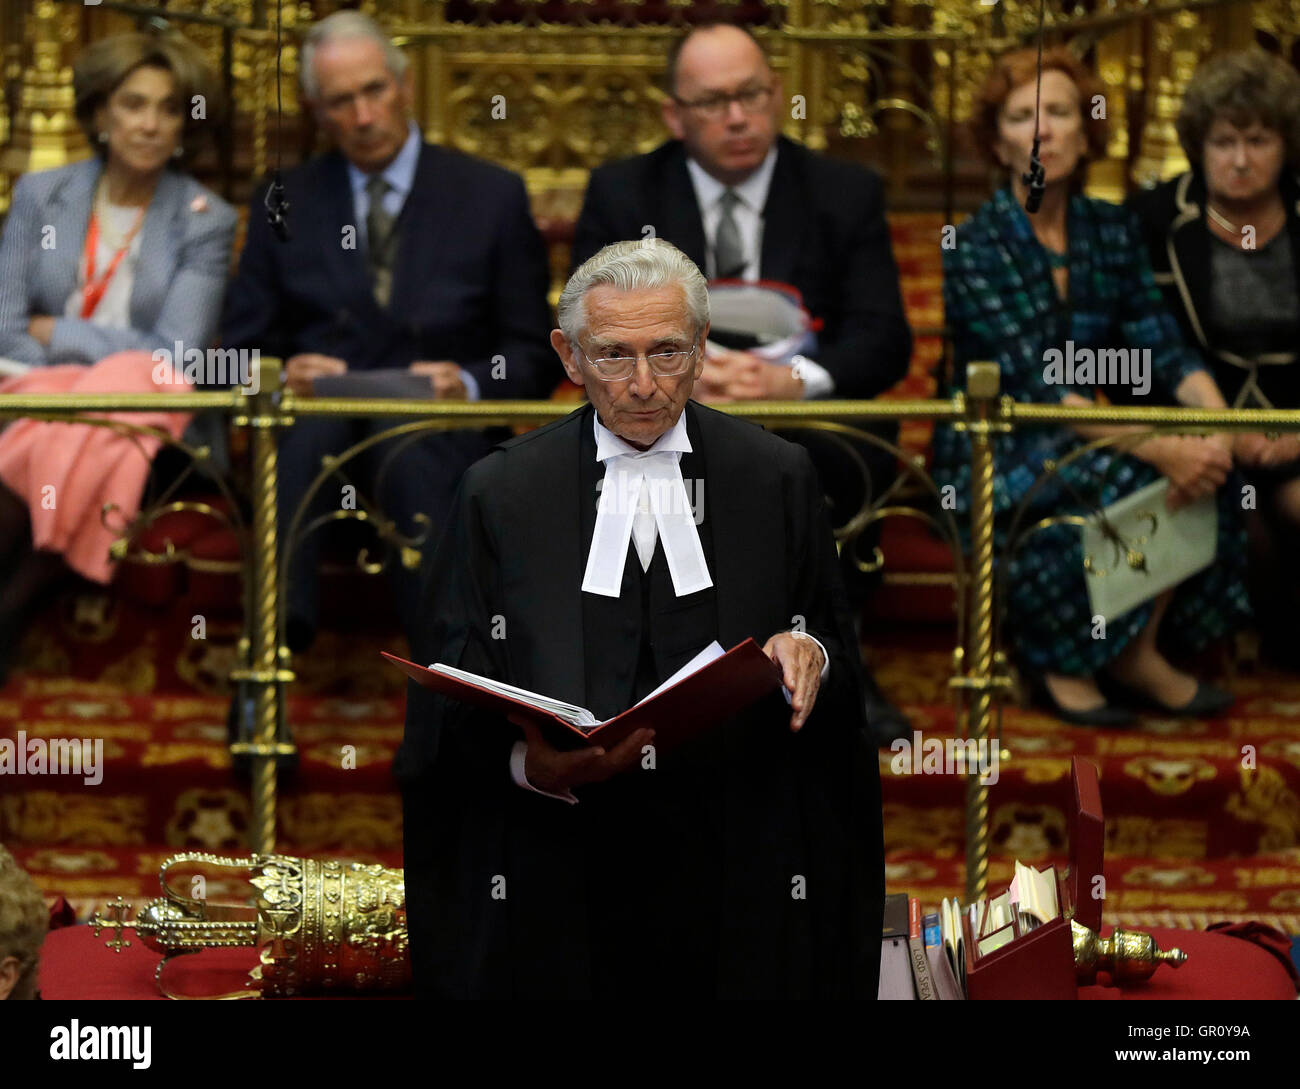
pixel 748 213
pixel 114 309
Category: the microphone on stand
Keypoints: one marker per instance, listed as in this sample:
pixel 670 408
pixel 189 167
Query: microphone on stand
pixel 1036 179
pixel 277 208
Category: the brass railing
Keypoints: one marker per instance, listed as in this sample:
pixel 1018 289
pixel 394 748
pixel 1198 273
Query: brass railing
pixel 980 671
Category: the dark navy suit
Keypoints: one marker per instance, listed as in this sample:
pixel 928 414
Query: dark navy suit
pixel 469 285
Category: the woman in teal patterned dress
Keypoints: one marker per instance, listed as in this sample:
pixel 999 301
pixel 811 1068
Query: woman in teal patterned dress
pixel 1016 286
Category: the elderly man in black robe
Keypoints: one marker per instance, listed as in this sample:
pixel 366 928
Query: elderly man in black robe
pixel 747 862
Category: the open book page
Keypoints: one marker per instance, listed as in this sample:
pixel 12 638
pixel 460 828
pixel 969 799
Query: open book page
pixel 578 717
pixel 575 716
pixel 711 653
pixel 1035 892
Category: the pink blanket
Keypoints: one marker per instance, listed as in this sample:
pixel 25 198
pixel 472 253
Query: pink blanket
pixel 67 472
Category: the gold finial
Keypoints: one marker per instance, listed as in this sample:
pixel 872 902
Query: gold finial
pixel 983 380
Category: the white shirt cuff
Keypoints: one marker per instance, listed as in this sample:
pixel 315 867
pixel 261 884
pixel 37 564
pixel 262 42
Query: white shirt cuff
pixel 826 661
pixel 472 392
pixel 817 380
pixel 517 754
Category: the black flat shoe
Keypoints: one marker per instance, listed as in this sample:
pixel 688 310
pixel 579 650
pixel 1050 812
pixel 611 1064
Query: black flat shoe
pixel 1207 702
pixel 1106 717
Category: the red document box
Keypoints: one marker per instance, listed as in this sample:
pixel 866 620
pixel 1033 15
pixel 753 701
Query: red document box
pixel 1040 963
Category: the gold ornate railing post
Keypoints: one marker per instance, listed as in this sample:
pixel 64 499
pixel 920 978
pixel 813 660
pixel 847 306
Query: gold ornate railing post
pixel 266 667
pixel 983 382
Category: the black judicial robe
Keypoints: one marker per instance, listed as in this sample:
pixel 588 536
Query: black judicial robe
pixel 748 863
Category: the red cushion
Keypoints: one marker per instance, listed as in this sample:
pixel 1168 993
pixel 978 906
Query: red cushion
pixel 77 965
pixel 1218 966
pixel 180 527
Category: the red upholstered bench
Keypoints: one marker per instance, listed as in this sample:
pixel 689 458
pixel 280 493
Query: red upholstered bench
pixel 918 584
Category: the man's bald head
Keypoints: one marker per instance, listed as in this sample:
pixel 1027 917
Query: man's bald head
pixel 724 100
pixel 704 42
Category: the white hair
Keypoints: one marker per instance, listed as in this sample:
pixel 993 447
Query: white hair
pixel 633 266
pixel 336 27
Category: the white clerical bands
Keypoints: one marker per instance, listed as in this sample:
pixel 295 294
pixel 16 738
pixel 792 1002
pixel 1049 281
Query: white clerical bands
pixel 633 483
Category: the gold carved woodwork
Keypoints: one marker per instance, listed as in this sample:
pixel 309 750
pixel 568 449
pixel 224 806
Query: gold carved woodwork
pixel 549 98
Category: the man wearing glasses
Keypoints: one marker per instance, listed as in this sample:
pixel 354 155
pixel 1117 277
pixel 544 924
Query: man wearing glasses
pixel 409 270
pixel 748 862
pixel 746 203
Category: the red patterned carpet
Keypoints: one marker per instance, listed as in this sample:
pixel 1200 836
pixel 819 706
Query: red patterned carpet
pixel 1195 832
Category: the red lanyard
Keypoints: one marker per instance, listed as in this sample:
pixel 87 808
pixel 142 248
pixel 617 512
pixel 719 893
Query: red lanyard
pixel 94 290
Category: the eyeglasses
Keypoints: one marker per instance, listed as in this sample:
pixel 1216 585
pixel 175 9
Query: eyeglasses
pixel 715 107
pixel 616 368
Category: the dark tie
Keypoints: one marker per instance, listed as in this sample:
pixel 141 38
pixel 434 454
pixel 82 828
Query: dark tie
pixel 728 253
pixel 379 238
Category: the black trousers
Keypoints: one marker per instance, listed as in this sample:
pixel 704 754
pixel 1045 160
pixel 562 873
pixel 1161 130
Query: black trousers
pixel 403 477
pixel 654 890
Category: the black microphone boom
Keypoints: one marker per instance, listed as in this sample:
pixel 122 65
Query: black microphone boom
pixel 277 207
pixel 1036 176
pixel 1036 179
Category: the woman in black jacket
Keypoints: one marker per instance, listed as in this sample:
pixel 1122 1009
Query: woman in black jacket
pixel 1224 240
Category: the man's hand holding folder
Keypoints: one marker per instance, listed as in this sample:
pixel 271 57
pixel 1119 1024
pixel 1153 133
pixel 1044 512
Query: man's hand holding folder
pixel 554 771
pixel 568 746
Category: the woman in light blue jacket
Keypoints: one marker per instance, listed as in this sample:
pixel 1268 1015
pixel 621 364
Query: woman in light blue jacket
pixel 120 252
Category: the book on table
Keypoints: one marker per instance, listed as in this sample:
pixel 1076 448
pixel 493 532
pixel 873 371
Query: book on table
pixel 711 688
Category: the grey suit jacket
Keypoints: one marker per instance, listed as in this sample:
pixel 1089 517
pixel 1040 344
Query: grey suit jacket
pixel 180 279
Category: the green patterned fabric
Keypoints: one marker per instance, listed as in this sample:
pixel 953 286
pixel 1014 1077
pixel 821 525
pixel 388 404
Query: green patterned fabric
pixel 1001 304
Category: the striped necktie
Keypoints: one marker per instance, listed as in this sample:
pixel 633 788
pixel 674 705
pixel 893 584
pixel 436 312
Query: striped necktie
pixel 379 239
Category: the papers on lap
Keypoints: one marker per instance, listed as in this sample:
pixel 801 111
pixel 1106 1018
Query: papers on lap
pixel 707 691
pixel 767 319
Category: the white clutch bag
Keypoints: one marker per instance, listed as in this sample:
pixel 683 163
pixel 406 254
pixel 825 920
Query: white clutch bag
pixel 1138 548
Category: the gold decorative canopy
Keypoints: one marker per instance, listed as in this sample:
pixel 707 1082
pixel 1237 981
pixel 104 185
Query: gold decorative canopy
pixel 551 90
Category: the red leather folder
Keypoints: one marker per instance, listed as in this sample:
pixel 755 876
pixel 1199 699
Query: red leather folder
pixel 1040 963
pixel 1087 844
pixel 695 704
